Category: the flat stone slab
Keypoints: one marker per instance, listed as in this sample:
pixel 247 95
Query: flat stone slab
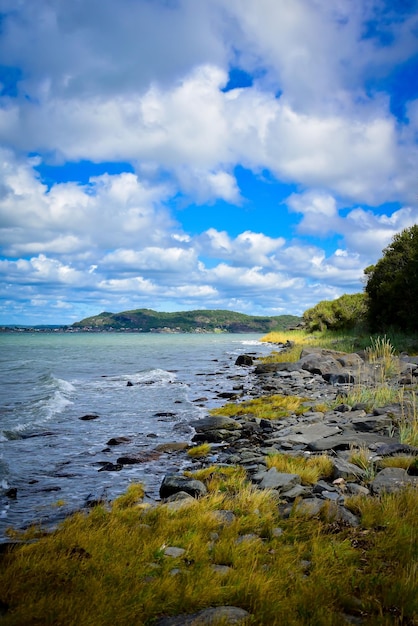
pixel 312 432
pixel 279 480
pixel 345 440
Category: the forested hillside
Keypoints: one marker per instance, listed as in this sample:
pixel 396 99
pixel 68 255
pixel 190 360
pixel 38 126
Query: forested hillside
pixel 147 320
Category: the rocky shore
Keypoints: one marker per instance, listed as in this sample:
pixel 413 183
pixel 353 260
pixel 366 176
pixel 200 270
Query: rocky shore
pixel 322 378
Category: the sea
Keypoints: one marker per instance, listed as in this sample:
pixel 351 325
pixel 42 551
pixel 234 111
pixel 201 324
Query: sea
pixel 144 387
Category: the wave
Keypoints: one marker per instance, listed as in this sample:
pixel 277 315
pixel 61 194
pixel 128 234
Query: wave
pixel 251 342
pixel 53 396
pixel 146 377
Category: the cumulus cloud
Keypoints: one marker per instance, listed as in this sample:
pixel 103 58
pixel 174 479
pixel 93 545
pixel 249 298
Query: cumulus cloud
pixel 148 84
pixel 76 219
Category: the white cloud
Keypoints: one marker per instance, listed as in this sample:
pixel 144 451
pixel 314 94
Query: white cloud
pixel 110 211
pixel 144 82
pixel 319 209
pixel 150 259
pixel 247 248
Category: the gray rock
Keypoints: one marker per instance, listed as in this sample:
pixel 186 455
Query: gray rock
pixel 224 517
pixel 396 448
pixel 312 432
pixel 345 469
pixel 172 483
pixel 355 489
pixel 179 496
pixel 215 422
pixel 348 439
pixel 392 479
pixel 370 424
pixel 174 552
pixel 353 360
pixel 319 363
pixel 279 480
pixel 298 491
pixel 309 506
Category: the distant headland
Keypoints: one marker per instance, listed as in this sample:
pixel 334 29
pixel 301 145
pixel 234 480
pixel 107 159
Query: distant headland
pixel 149 321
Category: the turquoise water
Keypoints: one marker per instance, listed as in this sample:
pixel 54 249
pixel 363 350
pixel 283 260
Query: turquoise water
pixel 50 380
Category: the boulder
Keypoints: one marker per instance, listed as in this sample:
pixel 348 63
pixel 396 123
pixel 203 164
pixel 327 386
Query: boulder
pixel 173 483
pixel 244 360
pixel 392 479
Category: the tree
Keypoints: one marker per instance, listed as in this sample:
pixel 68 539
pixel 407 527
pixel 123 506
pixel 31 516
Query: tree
pixel 392 284
pixel 344 313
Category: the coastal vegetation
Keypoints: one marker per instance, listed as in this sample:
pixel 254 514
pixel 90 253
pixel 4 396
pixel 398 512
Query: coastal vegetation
pixel 117 564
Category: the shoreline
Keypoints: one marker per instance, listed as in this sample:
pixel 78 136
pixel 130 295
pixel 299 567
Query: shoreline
pixel 237 539
pixel 343 433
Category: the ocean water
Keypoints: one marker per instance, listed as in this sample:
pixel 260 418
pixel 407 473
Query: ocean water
pixel 146 387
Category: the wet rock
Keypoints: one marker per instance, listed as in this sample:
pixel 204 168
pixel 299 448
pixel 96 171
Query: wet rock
pixel 117 441
pixel 143 457
pixel 111 467
pixel 88 417
pixel 244 360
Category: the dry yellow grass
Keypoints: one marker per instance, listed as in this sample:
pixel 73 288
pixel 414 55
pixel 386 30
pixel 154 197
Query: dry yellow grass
pixel 109 566
pixel 310 469
pixel 266 407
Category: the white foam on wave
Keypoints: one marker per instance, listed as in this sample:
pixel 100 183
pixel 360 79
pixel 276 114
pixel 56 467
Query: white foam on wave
pixel 56 397
pixel 155 376
pixel 252 342
pixel 59 399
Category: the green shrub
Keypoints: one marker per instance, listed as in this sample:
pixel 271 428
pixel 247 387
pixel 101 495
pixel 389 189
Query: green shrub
pixel 345 313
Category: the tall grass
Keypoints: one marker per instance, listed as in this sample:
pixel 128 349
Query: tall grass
pixel 345 341
pixel 265 407
pixel 110 566
pixel 310 469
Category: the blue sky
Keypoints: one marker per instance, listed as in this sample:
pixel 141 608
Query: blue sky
pixel 195 154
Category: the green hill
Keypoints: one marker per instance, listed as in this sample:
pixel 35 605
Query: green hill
pixel 147 320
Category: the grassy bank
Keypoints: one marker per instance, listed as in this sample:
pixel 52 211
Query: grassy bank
pixel 113 564
pixel 345 341
pixel 110 566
